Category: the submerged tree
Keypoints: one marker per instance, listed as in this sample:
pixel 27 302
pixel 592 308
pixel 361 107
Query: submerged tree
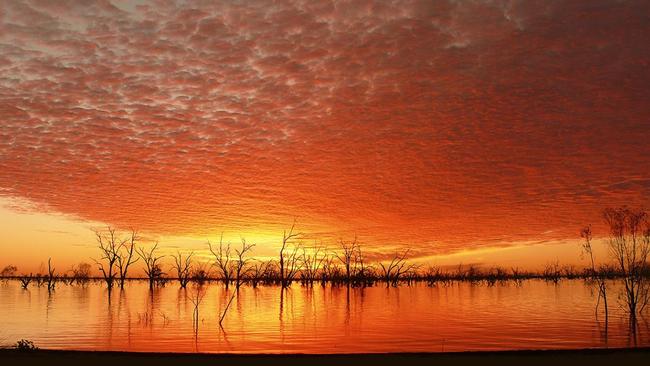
pixel 241 268
pixel 364 272
pixel 596 276
pixel 629 246
pixel 25 280
pixel 259 270
pixel 51 277
pixel 312 263
pixel 347 257
pixel 201 272
pixel 109 245
pixel 397 267
pixel 125 257
pixel 223 260
pixel 183 268
pixel 289 263
pixel 152 269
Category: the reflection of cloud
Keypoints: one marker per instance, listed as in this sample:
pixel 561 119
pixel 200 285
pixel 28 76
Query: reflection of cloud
pixel 437 125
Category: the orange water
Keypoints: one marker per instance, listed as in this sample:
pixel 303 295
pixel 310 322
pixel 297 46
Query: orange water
pixel 457 317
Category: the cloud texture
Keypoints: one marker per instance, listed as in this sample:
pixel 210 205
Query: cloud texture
pixel 442 125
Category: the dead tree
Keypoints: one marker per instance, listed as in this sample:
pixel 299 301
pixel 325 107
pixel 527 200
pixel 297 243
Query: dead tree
pixel 109 245
pixel 348 257
pixel 359 263
pixel 552 272
pixel 51 277
pixel 152 269
pixel 125 256
pixel 183 268
pixel 330 271
pixel 364 273
pixel 223 261
pixel 241 262
pixel 629 246
pixel 289 260
pixel 201 273
pixel 258 271
pixel 398 266
pixel 312 263
pixel 594 275
pixel 25 280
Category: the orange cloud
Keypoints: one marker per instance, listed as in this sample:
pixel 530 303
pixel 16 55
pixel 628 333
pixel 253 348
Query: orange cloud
pixel 437 125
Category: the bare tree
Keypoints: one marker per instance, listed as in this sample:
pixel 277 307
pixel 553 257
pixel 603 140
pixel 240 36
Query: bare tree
pixel 363 270
pixel 312 263
pixel 329 270
pixel 258 271
pixel 51 277
pixel 125 256
pixel 348 257
pixel 201 273
pixel 289 260
pixel 153 268
pixel 183 268
pixel 596 276
pixel 629 245
pixel 223 260
pixel 109 245
pixel 398 266
pixel 552 272
pixel 241 262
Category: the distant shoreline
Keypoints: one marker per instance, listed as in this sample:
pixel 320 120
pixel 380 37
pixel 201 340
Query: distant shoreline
pixel 542 357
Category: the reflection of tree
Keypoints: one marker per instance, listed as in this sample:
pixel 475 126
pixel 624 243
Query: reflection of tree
pixel 123 305
pixel 225 310
pixel 151 308
pixel 347 306
pixel 282 290
pixel 196 298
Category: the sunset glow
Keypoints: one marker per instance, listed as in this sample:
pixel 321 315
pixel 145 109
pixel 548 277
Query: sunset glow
pixel 471 132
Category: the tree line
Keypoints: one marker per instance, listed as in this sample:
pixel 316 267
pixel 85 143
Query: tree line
pixel 628 244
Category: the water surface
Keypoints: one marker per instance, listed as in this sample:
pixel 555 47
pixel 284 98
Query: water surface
pixel 417 318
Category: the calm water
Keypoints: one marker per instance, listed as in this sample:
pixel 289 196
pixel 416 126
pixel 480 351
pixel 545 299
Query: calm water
pixel 457 317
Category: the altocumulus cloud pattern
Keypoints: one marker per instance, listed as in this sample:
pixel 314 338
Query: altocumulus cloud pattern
pixel 446 123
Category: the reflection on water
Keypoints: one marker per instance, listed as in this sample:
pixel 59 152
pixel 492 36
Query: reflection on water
pixel 457 317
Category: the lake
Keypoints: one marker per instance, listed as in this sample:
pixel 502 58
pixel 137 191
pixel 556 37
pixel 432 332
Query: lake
pixel 416 318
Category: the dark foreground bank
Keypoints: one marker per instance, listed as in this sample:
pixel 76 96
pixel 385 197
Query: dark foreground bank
pixel 612 357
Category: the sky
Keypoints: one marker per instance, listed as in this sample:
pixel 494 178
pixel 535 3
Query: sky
pixel 475 131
